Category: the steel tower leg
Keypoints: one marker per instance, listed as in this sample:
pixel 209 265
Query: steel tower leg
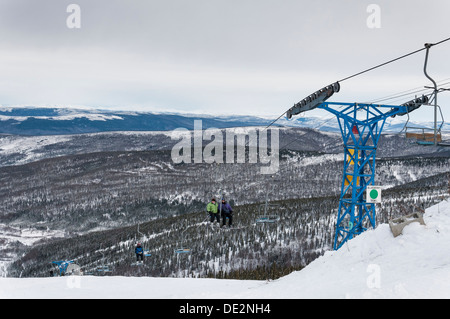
pixel 354 214
pixel 360 137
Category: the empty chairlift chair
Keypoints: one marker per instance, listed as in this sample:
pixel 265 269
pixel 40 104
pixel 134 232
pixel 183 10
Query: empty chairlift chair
pixel 181 249
pixel 266 217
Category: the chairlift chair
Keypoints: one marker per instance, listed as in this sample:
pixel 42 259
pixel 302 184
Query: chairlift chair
pixel 182 250
pixel 436 137
pixel 146 251
pixel 266 218
pixel 103 269
pixel 424 135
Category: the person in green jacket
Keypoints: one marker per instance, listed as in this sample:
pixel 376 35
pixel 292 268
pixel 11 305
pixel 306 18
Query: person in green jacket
pixel 212 209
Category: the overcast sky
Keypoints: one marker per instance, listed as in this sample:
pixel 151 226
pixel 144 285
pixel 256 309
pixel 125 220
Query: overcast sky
pixel 255 57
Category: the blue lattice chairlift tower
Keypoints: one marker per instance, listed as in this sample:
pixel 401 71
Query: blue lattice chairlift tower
pixel 361 126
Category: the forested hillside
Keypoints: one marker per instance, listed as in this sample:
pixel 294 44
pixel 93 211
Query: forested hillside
pixel 82 197
pixel 80 193
pixel 250 250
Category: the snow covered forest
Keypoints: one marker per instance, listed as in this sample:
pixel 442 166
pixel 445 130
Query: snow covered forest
pixel 96 201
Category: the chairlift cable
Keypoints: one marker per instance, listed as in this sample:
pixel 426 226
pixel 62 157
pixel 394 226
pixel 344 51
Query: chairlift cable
pixel 398 95
pixel 354 75
pixel 332 88
pixel 440 42
pixel 393 60
pixel 394 100
pixel 382 64
pixel 407 92
pixel 370 69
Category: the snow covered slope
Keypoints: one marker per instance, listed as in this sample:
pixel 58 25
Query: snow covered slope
pixel 415 264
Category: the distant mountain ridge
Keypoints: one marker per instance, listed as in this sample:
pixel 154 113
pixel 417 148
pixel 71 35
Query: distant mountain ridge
pixel 38 121
pixel 62 121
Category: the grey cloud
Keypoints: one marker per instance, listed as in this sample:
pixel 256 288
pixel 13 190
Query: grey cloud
pixel 190 54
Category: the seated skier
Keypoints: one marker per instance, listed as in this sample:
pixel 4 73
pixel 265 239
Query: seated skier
pixel 212 209
pixel 139 252
pixel 227 212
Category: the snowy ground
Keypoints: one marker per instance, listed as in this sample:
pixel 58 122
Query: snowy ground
pixel 415 264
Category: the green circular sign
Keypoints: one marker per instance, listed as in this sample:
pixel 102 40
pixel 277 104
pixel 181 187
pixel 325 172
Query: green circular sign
pixel 373 194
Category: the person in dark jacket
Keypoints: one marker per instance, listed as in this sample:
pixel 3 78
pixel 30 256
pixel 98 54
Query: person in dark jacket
pixel 139 252
pixel 226 212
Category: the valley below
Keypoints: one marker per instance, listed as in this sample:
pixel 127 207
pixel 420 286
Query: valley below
pixel 83 197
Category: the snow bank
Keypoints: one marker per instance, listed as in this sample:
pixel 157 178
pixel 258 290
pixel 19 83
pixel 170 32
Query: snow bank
pixel 377 265
pixel 415 264
pixel 122 287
